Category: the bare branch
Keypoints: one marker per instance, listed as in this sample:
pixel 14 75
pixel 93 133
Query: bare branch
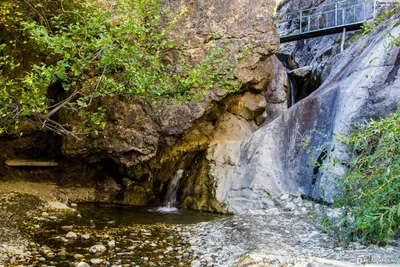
pixel 97 86
pixel 54 127
pixel 61 104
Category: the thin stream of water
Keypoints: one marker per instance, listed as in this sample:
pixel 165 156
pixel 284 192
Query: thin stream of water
pixel 171 202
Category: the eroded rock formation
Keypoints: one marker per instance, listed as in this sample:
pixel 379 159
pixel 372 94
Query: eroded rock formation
pixel 358 84
pixel 146 143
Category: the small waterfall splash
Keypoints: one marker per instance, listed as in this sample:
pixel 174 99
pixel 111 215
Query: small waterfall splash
pixel 172 194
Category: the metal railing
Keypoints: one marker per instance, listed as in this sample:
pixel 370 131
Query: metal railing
pixel 324 17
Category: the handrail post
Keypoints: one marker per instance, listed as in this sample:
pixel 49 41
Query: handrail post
pixel 309 24
pixel 354 13
pixel 343 40
pixel 343 15
pixel 336 13
pixel 374 9
pixel 301 20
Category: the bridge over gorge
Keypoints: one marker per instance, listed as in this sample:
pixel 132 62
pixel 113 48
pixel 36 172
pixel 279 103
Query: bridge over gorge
pixel 324 19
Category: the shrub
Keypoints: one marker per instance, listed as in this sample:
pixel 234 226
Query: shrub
pixel 99 50
pixel 370 191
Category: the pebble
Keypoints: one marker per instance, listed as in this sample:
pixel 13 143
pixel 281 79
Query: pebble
pixel 97 249
pixel 96 261
pixel 334 213
pixel 111 243
pixel 82 264
pixel 272 211
pixel 314 234
pixel 195 263
pixel 62 253
pixel 85 236
pixel 285 196
pixel 67 227
pixel 71 235
pixel 78 256
pixel 298 200
pixel 290 206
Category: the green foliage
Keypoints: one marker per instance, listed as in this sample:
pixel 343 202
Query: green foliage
pixel 370 25
pixel 371 187
pixel 99 50
pixel 369 193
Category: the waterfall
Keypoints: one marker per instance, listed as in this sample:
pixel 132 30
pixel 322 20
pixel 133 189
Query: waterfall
pixel 170 202
pixel 172 193
pixel 292 92
pixel 291 82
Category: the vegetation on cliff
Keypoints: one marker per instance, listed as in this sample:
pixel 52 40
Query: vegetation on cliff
pixel 88 52
pixel 370 191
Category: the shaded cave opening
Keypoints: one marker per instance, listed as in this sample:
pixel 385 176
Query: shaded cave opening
pixel 37 146
pixel 302 81
pixel 111 169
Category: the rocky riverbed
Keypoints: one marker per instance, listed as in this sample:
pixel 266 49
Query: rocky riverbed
pixel 39 232
pixel 287 235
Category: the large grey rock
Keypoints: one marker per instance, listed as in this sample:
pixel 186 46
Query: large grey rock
pixel 301 72
pixel 277 92
pixel 248 106
pixel 362 84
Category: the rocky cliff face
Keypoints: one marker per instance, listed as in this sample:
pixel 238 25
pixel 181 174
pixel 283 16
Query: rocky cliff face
pixel 145 144
pixel 358 84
